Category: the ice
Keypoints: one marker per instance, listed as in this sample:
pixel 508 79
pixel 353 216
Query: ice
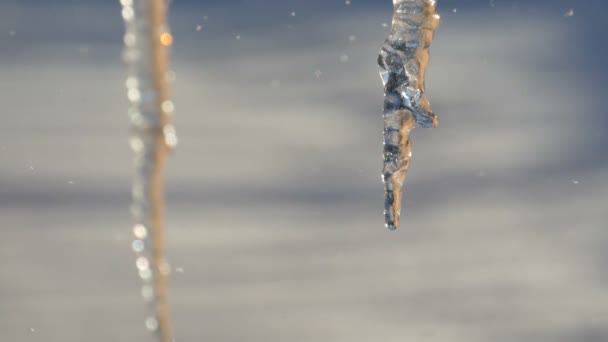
pixel 403 62
pixel 152 137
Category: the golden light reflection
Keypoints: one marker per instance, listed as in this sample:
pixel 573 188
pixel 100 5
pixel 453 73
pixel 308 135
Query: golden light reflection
pixel 166 39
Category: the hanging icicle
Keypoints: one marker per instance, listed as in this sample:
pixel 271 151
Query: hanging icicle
pixel 147 41
pixel 403 61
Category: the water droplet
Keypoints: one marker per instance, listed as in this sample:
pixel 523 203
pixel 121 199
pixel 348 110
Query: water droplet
pixel 347 2
pixel 170 136
pixel 127 13
pixel 140 231
pixel 151 323
pixel 199 27
pixel 138 246
pixel 318 73
pixel 344 58
pixel 569 13
pixel 137 145
pixel 133 95
pixel 293 14
pixel 145 274
pixel 352 38
pixel 129 39
pixel 168 107
pixel 166 39
pixel 142 263
pixel 131 82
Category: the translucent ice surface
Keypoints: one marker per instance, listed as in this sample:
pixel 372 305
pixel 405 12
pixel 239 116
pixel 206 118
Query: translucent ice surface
pixel 403 61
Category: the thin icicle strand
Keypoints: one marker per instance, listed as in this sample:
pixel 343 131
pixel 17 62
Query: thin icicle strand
pixel 146 54
pixel 403 61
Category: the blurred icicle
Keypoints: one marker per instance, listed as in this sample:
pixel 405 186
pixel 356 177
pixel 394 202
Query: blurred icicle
pixel 146 54
pixel 403 61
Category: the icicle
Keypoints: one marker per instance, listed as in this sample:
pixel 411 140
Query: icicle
pixel 146 54
pixel 403 61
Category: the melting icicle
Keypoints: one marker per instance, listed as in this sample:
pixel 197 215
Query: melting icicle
pixel 403 61
pixel 147 40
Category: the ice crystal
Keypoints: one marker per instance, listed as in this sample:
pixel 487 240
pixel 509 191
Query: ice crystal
pixel 403 61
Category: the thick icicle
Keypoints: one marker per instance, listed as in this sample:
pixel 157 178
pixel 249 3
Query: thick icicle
pixel 403 61
pixel 147 40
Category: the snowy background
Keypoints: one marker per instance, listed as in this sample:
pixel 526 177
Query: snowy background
pixel 275 200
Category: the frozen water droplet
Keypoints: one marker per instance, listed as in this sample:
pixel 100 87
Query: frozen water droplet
pixel 199 27
pixel 575 182
pixel 347 2
pixel 179 269
pixel 12 33
pixel 275 84
pixel 344 58
pixel 238 37
pixel 293 14
pixel 318 73
pixel 352 38
pixel 455 10
pixel 569 13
